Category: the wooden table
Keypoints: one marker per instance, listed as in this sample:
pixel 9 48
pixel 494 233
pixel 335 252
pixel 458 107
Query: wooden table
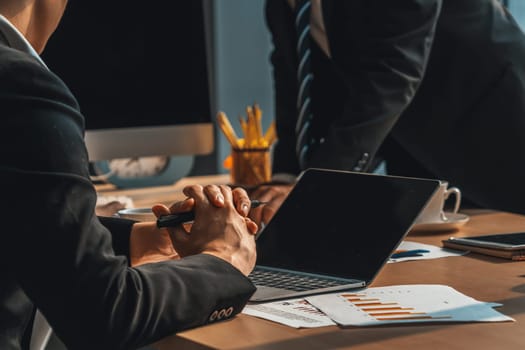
pixel 481 277
pixel 147 196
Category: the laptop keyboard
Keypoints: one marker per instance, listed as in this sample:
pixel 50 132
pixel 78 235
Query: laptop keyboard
pixel 291 281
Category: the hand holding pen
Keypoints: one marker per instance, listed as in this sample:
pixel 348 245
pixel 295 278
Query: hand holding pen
pixel 180 218
pixel 221 227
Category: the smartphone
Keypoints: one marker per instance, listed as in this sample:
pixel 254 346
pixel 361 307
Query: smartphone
pixel 506 241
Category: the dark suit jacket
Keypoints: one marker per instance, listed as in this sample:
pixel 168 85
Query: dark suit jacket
pixel 58 256
pixel 440 84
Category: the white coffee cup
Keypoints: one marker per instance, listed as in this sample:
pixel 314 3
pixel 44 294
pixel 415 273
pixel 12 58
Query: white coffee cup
pixel 138 214
pixel 434 210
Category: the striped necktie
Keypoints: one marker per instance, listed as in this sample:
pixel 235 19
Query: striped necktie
pixel 305 78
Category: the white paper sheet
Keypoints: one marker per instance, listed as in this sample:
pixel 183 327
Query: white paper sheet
pixel 296 313
pixel 404 304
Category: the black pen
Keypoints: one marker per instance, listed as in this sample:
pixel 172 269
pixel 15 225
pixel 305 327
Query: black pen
pixel 176 219
pixel 408 253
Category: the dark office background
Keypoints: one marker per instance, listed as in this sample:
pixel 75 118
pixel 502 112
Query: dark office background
pixel 239 58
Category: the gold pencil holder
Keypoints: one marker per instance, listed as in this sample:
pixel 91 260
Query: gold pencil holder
pixel 250 166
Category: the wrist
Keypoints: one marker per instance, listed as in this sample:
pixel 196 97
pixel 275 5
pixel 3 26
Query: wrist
pixel 239 263
pixel 148 243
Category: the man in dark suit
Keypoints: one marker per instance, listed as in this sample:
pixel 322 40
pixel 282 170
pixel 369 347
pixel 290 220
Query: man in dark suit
pixel 59 257
pixel 436 88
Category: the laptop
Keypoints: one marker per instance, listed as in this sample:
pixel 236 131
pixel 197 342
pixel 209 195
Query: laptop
pixel 335 231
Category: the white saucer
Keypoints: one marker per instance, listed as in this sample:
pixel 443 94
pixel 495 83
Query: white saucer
pixel 454 222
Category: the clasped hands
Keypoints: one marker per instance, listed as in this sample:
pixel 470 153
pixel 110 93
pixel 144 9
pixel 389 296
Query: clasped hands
pixel 221 228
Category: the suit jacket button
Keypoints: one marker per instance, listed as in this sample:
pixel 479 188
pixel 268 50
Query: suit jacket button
pixel 361 163
pixel 222 313
pixel 213 316
pixel 229 311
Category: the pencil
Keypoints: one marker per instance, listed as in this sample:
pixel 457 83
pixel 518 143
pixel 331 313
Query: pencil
pixel 270 136
pixel 258 124
pixel 227 129
pixel 251 138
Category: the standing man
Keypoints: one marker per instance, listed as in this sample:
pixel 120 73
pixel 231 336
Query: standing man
pixel 436 88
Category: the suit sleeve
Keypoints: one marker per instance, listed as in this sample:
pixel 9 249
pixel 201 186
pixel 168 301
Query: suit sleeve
pixel 120 230
pixel 62 255
pixel 380 50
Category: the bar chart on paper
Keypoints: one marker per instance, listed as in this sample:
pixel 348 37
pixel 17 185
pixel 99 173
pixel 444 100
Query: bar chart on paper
pixel 380 307
pixel 405 304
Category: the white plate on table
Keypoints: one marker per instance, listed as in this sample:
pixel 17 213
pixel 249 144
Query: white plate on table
pixel 454 222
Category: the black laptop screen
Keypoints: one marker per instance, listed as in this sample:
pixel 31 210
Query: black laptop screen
pixel 342 223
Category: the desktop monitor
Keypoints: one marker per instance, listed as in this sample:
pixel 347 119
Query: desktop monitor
pixel 140 73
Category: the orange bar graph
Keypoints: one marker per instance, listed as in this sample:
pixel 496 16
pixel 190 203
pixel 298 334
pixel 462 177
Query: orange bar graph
pixel 370 309
pixel 395 313
pixel 386 310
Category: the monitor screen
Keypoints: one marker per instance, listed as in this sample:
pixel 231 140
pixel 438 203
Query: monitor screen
pixel 140 74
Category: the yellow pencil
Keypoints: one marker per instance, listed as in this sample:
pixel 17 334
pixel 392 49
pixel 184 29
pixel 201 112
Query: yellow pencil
pixel 271 135
pixel 244 126
pixel 227 129
pixel 251 138
pixel 258 124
